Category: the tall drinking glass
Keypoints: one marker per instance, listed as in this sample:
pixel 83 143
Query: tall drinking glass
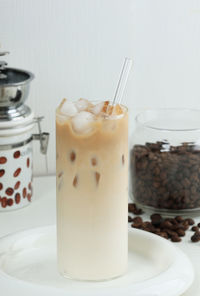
pixel 92 193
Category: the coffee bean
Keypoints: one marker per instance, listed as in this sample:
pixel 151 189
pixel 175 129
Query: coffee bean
pixel 137 220
pixel 130 219
pixel 156 219
pixel 167 225
pixel 180 232
pixel 164 234
pixel 166 177
pixel 179 218
pixel 148 226
pixel 136 225
pixel 178 226
pixel 168 228
pixel 195 237
pixel 171 233
pixel 138 211
pixel 175 239
pixel 190 221
pixel 132 208
pixel 185 225
pixel 195 228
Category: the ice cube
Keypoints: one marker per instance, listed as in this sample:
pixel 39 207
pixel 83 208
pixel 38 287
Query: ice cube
pixel 82 122
pixel 97 108
pixel 68 108
pixel 82 104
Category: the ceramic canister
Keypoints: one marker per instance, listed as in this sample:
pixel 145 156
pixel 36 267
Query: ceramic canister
pixel 16 163
pixel 16 136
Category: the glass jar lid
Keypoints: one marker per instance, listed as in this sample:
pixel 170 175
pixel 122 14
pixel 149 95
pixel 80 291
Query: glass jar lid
pixel 170 119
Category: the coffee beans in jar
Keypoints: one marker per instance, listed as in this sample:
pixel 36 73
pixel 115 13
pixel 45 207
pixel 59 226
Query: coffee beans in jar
pixel 165 174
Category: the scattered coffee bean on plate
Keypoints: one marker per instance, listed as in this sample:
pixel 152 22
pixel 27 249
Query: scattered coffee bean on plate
pixel 195 228
pixel 156 219
pixel 132 208
pixel 130 219
pixel 185 225
pixel 190 221
pixel 175 239
pixel 180 232
pixel 169 228
pixel 137 220
pixel 163 234
pixel 195 237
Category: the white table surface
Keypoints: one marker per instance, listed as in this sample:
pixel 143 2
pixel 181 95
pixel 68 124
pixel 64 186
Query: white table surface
pixel 43 212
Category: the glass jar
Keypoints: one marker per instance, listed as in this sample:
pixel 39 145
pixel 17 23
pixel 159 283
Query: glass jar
pixel 165 160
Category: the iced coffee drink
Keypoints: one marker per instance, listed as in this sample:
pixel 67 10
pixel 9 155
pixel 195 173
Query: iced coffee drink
pixel 92 189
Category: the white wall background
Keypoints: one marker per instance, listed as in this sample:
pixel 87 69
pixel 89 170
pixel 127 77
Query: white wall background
pixel 76 49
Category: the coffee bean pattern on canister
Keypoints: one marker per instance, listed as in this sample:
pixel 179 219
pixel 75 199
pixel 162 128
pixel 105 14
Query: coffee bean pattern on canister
pixel 28 162
pixel 17 172
pixel 17 198
pixel 165 176
pixel 17 185
pixel 4 202
pixel 3 159
pixel 2 172
pixel 15 177
pixel 16 154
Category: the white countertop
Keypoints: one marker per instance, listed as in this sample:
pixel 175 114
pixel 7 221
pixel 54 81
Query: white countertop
pixel 42 212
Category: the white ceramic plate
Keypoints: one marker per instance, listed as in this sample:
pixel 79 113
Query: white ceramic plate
pixel 28 267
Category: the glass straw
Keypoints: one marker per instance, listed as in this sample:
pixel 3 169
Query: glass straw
pixel 122 81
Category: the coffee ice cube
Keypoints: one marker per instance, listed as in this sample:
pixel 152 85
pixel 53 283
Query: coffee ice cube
pixel 82 122
pixel 68 108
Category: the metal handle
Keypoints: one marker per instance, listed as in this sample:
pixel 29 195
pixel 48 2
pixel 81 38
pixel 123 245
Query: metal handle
pixel 42 137
pixel 3 53
pixel 3 64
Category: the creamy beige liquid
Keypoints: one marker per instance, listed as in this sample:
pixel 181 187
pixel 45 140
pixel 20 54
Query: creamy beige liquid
pixel 92 197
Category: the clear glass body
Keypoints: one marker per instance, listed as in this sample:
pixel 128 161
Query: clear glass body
pixel 165 160
pixel 92 197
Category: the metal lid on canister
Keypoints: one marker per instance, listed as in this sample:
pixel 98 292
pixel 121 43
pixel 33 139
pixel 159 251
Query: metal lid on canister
pixel 15 127
pixel 14 90
pixel 15 117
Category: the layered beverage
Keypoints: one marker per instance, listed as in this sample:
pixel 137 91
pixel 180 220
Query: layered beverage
pixel 92 189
